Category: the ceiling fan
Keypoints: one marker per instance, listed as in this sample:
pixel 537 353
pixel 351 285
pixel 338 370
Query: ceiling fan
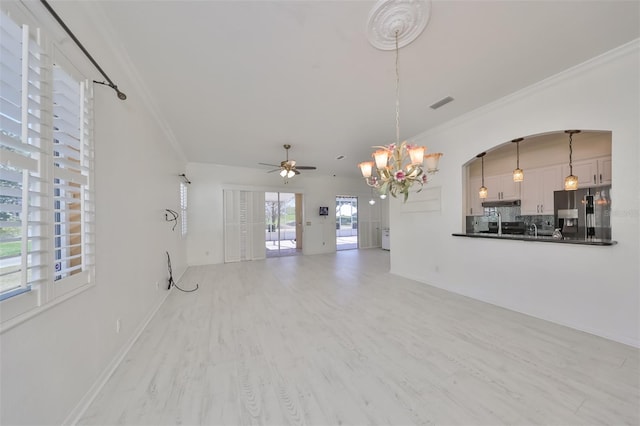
pixel 288 168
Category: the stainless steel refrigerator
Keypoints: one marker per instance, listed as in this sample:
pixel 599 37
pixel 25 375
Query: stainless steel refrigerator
pixel 584 213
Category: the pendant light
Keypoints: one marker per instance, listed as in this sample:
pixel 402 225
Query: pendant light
pixel 571 181
pixel 372 201
pixel 518 174
pixel 483 192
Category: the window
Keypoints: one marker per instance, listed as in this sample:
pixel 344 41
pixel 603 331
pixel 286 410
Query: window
pixel 183 208
pixel 46 203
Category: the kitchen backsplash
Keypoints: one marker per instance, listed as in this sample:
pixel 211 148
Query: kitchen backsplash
pixel 545 223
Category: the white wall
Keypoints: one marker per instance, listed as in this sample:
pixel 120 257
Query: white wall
pixel 595 289
pixel 50 362
pixel 205 240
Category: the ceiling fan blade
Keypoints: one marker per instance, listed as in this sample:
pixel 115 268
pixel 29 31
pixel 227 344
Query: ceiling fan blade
pixel 306 167
pixel 274 170
pixel 296 171
pixel 272 165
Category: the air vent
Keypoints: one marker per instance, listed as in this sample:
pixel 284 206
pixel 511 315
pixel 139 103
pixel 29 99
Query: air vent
pixel 442 102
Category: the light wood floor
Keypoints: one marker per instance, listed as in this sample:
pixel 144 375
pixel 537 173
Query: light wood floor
pixel 335 339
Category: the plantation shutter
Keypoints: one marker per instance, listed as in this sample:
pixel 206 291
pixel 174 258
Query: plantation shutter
pixel 73 199
pixel 244 226
pixel 183 208
pixel 23 202
pixel 368 225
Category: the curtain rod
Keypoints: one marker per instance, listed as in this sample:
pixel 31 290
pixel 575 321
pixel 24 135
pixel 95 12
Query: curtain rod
pixel 110 83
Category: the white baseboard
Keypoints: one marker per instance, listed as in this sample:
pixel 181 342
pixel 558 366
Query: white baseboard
pixel 580 327
pixel 78 411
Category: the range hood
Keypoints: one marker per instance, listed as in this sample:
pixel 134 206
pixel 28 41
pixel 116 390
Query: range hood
pixel 501 203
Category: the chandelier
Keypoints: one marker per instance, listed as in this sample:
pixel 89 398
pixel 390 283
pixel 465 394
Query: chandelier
pixel 400 165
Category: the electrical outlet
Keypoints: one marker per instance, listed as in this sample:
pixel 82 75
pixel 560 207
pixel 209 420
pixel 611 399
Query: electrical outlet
pixel 118 324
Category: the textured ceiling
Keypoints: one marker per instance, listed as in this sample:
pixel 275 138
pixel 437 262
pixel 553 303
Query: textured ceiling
pixel 235 80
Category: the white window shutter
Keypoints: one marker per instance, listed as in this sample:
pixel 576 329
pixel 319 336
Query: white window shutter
pixel 22 187
pixel 244 226
pixel 73 197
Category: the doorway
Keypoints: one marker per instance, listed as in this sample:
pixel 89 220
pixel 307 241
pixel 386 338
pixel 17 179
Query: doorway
pixel 346 222
pixel 283 220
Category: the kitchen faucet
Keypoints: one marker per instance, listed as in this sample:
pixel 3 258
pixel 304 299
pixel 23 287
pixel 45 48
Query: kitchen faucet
pixel 499 224
pixel 535 230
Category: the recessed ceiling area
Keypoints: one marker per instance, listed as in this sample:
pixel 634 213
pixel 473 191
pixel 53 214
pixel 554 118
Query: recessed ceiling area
pixel 235 80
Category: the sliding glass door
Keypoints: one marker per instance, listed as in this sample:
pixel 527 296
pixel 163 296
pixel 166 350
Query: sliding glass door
pixel 283 224
pixel 346 223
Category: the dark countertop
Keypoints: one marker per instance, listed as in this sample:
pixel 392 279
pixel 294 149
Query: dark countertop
pixel 543 239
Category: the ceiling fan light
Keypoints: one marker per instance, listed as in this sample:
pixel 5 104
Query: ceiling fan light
pixel 291 174
pixel 283 172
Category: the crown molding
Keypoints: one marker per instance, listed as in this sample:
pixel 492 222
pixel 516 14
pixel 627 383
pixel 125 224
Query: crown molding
pixel 95 15
pixel 595 62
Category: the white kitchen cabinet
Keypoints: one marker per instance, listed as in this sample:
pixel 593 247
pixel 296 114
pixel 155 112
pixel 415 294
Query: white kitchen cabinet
pixel 502 187
pixel 537 190
pixel 474 202
pixel 604 170
pixel 593 172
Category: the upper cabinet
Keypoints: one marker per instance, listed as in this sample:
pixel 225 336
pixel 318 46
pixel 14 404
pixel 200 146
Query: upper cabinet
pixel 593 172
pixel 537 190
pixel 502 187
pixel 474 202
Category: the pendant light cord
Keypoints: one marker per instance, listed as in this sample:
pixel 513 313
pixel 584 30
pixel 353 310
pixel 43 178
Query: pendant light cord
pixel 482 159
pixel 517 155
pixel 397 94
pixel 571 154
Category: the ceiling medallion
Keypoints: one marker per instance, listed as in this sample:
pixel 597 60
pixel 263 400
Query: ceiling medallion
pixel 406 17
